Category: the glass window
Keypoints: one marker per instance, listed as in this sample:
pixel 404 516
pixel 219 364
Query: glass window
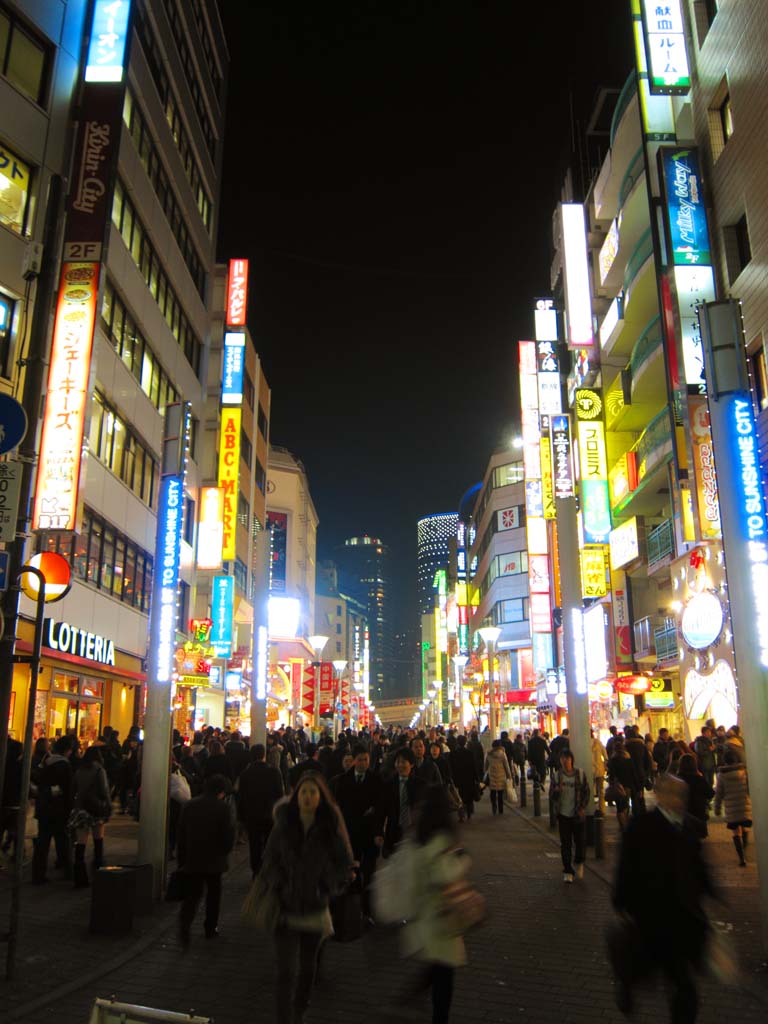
pixel 80 559
pixel 129 575
pixel 7 306
pixel 94 553
pixel 15 176
pixel 24 63
pixel 140 595
pixel 117 579
pixel 107 560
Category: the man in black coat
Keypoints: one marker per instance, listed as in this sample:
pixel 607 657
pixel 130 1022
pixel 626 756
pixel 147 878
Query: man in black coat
pixel 464 773
pixel 400 798
pixel 637 750
pixel 259 789
pixel 661 866
pixel 359 796
pixel 310 764
pixel 55 797
pixel 538 751
pixel 205 838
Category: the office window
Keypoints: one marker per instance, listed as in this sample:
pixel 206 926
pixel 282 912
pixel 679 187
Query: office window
pixel 15 177
pixel 738 250
pixel 113 443
pixel 263 423
pixel 23 58
pixel 338 609
pixel 513 610
pixel 512 473
pixel 243 510
pixel 260 476
pixel 720 118
pixel 338 628
pixel 241 575
pixel 185 596
pixel 189 522
pixel 246 449
pixel 248 392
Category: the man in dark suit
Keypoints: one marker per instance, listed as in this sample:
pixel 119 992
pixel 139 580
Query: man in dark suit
pixel 206 836
pixel 401 797
pixel 310 764
pixel 359 796
pixel 259 789
pixel 661 866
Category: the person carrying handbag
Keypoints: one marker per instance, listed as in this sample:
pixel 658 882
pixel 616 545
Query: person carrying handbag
pixel 499 773
pixel 571 793
pixel 91 811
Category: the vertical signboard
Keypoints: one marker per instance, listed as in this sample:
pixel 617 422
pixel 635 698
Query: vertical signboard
pixel 595 502
pixel 277 524
pixel 664 30
pixel 234 366
pixel 166 578
pixel 562 455
pixel 578 303
pixel 229 472
pixel 109 37
pixel 210 529
pixel 704 469
pixel 222 615
pixel 237 293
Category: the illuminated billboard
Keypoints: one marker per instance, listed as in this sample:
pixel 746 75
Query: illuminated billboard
pixel 234 368
pixel 562 455
pixel 547 482
pixel 625 543
pixel 166 579
pixel 229 472
pixel 109 34
pixel 66 399
pixel 593 581
pixel 704 469
pixel 222 615
pixel 210 530
pixel 664 31
pixel 576 274
pixel 237 293
pixel 277 524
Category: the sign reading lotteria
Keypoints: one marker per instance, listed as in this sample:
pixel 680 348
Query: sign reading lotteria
pixel 69 639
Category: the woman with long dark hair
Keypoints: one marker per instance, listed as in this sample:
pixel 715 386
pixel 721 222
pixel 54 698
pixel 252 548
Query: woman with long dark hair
pixel 92 810
pixel 307 861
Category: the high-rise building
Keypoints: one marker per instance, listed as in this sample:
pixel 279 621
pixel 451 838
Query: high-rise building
pixel 433 536
pixel 134 304
pixel 363 573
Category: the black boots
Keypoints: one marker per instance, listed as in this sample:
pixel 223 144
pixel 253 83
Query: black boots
pixel 80 873
pixel 737 842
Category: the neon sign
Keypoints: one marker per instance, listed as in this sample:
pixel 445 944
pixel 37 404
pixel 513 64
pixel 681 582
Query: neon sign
pixel 577 300
pixel 66 397
pixel 234 366
pixel 237 293
pixel 210 530
pixel 167 576
pixel 222 613
pixel 109 35
pixel 229 472
pixel 664 30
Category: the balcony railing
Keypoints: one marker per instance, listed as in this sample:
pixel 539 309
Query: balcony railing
pixel 635 171
pixel 666 642
pixel 647 343
pixel 661 543
pixel 650 446
pixel 643 630
pixel 643 250
pixel 626 96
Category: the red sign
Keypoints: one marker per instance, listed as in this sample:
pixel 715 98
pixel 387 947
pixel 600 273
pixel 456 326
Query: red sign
pixel 237 293
pixel 519 697
pixel 633 684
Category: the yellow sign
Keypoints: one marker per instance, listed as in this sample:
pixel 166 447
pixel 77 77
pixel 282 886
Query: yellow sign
pixel 592 456
pixel 593 581
pixel 229 470
pixel 66 397
pixel 14 190
pixel 547 483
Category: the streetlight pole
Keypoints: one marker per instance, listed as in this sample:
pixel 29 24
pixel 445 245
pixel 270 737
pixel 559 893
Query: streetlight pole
pixel 317 643
pixel 438 685
pixel 460 661
pixel 339 665
pixel 490 634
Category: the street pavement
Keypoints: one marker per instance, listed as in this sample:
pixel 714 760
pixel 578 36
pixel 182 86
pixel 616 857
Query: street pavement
pixel 539 957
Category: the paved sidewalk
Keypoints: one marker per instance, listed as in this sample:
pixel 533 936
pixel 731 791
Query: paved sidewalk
pixel 540 956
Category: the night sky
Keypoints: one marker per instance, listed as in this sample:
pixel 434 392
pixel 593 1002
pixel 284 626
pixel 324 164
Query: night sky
pixel 391 169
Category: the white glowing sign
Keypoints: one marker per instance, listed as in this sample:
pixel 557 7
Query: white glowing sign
pixel 694 285
pixel 579 652
pixel 261 663
pixel 109 35
pixel 210 530
pixel 665 47
pixel 702 620
pixel 594 643
pixel 576 271
pixel 284 615
pixel 625 543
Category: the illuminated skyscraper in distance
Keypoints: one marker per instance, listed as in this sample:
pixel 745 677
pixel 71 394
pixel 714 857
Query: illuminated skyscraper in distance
pixel 363 573
pixel 434 533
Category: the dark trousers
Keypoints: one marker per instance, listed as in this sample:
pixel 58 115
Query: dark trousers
pixel 174 813
pixel 47 830
pixel 497 800
pixel 194 883
pixel 367 858
pixel 442 992
pixel 572 833
pixel 258 834
pixel 296 955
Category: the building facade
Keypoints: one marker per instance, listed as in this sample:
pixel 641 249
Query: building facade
pixel 363 572
pixel 150 350
pixel 433 536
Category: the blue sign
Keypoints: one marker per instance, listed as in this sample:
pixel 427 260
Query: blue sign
pixel 109 35
pixel 686 213
pixel 13 423
pixel 167 561
pixel 5 557
pixel 750 503
pixel 234 366
pixel 222 614
pixel 595 511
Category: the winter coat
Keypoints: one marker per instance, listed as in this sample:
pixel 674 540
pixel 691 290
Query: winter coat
pixel 583 792
pixel 258 790
pixel 699 794
pixel 497 766
pixel 621 770
pixel 599 759
pixel 434 865
pixel 306 870
pixel 733 790
pixel 55 791
pixel 464 773
pixel 206 835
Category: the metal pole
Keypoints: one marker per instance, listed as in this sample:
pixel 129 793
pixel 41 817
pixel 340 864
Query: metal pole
pixel 316 710
pixel 26 773
pixel 34 386
pixel 491 690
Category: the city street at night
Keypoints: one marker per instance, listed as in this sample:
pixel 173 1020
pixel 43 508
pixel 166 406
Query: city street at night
pixel 539 957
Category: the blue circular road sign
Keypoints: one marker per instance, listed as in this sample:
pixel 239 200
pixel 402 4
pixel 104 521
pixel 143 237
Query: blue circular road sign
pixel 13 423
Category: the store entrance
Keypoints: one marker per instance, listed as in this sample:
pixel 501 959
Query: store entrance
pixel 76 708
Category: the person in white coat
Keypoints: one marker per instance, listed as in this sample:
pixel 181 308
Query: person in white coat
pixel 499 773
pixel 599 766
pixel 435 862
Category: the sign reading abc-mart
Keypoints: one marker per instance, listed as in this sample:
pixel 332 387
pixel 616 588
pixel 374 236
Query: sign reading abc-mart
pixel 87 219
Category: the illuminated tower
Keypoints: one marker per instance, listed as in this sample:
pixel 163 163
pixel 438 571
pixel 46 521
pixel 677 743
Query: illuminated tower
pixel 434 533
pixel 363 572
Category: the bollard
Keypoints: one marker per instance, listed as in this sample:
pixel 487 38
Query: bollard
pixel 599 835
pixel 536 796
pixel 523 790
